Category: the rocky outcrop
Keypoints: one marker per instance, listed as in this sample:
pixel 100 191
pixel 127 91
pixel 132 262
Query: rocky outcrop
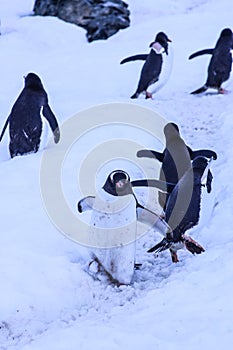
pixel 101 18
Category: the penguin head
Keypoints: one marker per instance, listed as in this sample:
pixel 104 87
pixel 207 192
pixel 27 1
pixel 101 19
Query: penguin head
pixel 226 32
pixel 163 40
pixel 226 36
pixel 171 130
pixel 118 183
pixel 32 81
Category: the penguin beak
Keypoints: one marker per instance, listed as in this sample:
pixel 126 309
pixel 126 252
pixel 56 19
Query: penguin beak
pixel 169 40
pixel 121 183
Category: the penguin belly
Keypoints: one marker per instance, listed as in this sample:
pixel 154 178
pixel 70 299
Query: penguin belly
pixel 112 236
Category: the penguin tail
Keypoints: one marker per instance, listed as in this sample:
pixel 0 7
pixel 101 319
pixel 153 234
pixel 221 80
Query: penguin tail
pixel 135 95
pixel 161 246
pixel 200 90
pixel 192 246
pixel 166 244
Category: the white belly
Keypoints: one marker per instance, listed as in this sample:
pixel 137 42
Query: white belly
pixel 112 235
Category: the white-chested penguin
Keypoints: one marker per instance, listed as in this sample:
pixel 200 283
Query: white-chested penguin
pixel 25 122
pixel 182 215
pixel 176 158
pixel 112 234
pixel 153 64
pixel 220 65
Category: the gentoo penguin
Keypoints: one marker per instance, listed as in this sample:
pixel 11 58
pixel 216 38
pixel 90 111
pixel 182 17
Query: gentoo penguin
pixel 112 232
pixel 220 64
pixel 188 216
pixel 176 158
pixel 152 67
pixel 25 122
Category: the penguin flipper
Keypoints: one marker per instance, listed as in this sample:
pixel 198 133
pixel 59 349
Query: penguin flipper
pixel 161 185
pixel 204 153
pixel 200 90
pixel 153 220
pixel 141 57
pixel 201 52
pixel 85 204
pixel 4 128
pixel 150 154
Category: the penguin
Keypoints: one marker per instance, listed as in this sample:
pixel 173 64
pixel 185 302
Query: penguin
pixel 176 158
pixel 153 64
pixel 114 250
pixel 25 124
pixel 188 217
pixel 220 63
pixel 112 230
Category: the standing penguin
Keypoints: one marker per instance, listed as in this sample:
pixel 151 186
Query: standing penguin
pixel 152 67
pixel 25 122
pixel 182 216
pixel 220 64
pixel 176 158
pixel 112 231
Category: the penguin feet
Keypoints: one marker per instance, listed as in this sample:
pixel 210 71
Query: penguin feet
pixel 186 241
pixel 174 256
pixel 166 244
pixel 97 272
pixel 192 246
pixel 148 95
pixel 222 91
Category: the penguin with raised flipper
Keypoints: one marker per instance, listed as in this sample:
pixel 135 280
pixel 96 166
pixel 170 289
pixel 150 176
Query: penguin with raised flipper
pixel 176 158
pixel 112 230
pixel 153 64
pixel 220 65
pixel 182 215
pixel 25 122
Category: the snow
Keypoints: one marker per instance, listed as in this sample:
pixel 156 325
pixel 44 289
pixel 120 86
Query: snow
pixel 47 298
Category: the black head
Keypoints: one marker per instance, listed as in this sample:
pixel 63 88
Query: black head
pixel 33 81
pixel 118 183
pixel 226 32
pixel 171 130
pixel 163 40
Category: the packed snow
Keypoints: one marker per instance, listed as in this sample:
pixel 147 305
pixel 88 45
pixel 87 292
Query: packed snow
pixel 48 300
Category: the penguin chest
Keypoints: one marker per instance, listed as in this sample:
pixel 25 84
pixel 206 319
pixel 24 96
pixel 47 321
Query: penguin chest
pixel 112 236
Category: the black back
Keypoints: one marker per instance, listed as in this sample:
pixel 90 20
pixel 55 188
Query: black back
pixel 182 214
pixel 25 122
pixel 176 158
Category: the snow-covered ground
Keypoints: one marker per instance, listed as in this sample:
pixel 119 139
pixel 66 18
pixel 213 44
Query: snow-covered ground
pixel 47 299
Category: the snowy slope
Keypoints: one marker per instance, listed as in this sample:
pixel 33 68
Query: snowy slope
pixel 47 299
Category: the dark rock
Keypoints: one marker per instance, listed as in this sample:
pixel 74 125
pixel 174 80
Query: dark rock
pixel 101 18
